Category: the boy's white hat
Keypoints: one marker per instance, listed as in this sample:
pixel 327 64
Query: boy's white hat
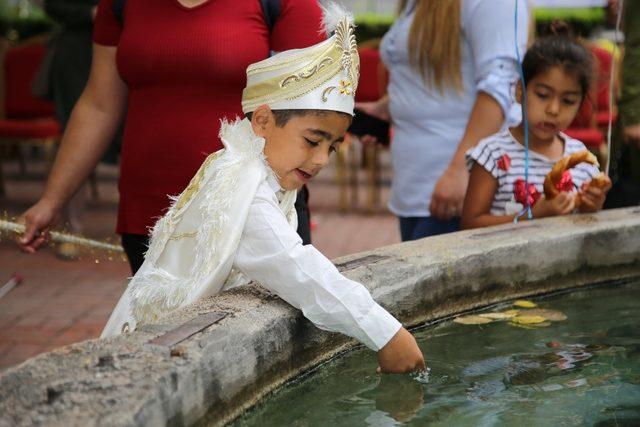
pixel 321 77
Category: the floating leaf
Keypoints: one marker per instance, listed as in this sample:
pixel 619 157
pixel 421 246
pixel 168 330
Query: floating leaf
pixel 530 326
pixel 472 320
pixel 553 315
pixel 527 320
pixel 498 315
pixel 524 304
pixel 512 312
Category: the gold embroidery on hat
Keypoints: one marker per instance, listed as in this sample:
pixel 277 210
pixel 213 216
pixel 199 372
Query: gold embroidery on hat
pixel 326 92
pixel 269 64
pixel 346 40
pixel 306 74
pixel 266 93
pixel 344 87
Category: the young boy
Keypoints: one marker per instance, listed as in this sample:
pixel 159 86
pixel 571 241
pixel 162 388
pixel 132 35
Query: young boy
pixel 236 222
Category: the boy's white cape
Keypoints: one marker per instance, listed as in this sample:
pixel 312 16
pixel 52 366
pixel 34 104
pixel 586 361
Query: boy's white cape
pixel 193 245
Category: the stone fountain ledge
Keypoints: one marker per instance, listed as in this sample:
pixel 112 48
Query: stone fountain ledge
pixel 215 375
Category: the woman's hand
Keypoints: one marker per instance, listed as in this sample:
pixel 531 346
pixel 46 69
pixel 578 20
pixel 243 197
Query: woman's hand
pixel 93 122
pixel 38 221
pixel 401 354
pixel 592 196
pixel 448 194
pixel 632 134
pixel 378 109
pixel 563 204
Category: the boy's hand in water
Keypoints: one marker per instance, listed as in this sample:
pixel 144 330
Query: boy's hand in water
pixel 563 204
pixel 592 196
pixel 401 354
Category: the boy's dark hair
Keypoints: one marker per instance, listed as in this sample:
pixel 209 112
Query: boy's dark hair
pixel 283 116
pixel 560 49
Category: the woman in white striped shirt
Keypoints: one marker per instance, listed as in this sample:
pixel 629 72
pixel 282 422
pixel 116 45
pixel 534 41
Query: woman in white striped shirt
pixel 557 73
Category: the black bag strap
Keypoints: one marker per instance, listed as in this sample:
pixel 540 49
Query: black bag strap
pixel 270 11
pixel 118 10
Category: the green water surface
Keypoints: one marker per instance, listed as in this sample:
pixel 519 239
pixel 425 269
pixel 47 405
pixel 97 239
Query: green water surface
pixel 584 371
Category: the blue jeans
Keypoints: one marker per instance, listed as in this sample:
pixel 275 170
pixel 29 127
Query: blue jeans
pixel 417 227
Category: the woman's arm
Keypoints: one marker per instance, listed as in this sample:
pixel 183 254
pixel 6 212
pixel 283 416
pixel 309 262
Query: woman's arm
pixel 448 195
pixel 477 203
pixel 490 31
pixel 378 109
pixel 93 122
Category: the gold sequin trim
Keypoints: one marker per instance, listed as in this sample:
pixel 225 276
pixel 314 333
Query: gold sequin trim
pixel 195 183
pixel 183 235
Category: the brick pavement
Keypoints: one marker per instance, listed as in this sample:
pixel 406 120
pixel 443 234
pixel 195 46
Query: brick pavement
pixel 62 302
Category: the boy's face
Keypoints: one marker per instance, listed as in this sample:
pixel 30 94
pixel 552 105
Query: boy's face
pixel 297 151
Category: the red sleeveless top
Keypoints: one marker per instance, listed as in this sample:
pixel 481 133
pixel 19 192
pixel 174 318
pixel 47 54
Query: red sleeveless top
pixel 185 69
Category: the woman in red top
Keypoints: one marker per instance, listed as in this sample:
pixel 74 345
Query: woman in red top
pixel 176 67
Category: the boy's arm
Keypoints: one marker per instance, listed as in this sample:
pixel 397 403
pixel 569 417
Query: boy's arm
pixel 271 253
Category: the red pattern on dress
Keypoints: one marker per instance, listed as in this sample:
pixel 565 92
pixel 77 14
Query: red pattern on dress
pixel 525 194
pixel 504 162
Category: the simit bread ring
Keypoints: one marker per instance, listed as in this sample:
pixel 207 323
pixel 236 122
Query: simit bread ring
pixel 553 178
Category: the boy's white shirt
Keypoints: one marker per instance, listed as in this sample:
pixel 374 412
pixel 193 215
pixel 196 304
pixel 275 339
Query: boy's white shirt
pixel 234 224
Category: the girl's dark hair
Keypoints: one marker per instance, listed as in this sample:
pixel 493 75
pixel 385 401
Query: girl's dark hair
pixel 559 49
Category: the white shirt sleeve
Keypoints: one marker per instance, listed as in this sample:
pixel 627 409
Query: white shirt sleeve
pixel 270 252
pixel 490 29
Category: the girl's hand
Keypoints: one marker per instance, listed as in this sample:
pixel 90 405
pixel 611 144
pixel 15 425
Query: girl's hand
pixel 564 203
pixel 401 354
pixel 592 196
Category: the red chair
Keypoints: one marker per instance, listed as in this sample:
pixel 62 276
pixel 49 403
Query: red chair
pixel 604 59
pixel 373 76
pixel 583 126
pixel 28 120
pixel 595 110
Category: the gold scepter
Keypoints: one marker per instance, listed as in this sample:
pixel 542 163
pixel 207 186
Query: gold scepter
pixel 59 237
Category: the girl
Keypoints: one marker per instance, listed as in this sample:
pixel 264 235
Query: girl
pixel 557 74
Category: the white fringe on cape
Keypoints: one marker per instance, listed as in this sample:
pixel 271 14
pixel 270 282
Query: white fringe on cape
pixel 214 210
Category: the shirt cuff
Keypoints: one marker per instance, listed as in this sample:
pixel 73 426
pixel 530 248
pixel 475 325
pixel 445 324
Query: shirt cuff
pixel 379 326
pixel 498 79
